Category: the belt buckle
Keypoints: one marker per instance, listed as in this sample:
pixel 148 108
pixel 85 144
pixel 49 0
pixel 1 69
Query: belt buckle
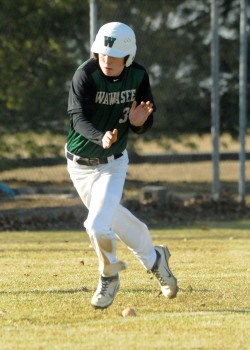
pixel 93 161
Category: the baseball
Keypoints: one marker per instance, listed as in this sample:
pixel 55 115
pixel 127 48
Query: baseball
pixel 128 312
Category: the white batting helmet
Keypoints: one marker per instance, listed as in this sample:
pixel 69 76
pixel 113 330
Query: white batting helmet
pixel 117 40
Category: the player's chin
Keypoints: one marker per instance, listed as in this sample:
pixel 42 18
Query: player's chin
pixel 107 71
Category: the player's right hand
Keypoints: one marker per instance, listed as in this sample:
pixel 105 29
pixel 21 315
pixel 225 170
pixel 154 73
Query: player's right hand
pixel 109 138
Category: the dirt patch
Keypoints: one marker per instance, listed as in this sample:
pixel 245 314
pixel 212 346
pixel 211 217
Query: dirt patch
pixel 64 211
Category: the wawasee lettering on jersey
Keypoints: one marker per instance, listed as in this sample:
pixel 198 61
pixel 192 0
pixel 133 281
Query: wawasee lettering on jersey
pixel 110 98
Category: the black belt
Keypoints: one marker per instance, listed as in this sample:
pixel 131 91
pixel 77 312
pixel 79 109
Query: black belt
pixel 93 161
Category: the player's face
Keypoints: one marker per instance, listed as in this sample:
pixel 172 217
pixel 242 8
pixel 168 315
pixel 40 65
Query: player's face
pixel 111 66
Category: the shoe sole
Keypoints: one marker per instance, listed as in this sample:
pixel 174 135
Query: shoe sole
pixel 97 307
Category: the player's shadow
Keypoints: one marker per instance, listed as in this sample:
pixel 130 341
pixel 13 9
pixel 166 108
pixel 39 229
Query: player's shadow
pixel 48 291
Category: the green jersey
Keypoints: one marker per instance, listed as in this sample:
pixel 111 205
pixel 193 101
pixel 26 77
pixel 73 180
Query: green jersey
pixel 103 104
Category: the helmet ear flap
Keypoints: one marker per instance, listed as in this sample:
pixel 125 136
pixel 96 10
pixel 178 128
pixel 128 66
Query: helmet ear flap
pixel 129 60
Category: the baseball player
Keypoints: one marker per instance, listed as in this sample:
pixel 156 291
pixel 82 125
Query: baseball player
pixel 110 94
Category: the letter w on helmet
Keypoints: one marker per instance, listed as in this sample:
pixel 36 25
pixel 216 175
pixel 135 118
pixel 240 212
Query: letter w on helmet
pixel 108 41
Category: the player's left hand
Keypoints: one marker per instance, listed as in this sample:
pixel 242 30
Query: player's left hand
pixel 139 114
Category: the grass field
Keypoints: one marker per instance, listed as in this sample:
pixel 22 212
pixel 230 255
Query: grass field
pixel 48 278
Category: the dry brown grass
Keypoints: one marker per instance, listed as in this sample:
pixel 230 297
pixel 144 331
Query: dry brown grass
pixel 188 143
pixel 26 144
pixel 146 172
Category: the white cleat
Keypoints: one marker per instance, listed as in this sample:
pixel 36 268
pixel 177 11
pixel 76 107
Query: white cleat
pixel 163 273
pixel 105 292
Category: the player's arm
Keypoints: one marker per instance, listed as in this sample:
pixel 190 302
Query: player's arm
pixel 83 126
pixel 81 107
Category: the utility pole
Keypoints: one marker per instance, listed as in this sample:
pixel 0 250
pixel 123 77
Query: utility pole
pixel 242 98
pixel 215 99
pixel 93 20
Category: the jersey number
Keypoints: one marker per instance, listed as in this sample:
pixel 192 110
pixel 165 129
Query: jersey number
pixel 125 115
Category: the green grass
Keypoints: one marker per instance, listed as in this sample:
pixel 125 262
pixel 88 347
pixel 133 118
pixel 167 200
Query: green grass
pixel 48 278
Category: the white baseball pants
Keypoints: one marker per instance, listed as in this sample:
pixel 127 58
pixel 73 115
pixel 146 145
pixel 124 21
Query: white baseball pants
pixel 100 189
